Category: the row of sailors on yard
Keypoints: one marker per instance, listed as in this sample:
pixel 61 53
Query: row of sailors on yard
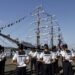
pixel 45 61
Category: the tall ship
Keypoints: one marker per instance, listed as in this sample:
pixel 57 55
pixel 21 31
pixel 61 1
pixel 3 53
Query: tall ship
pixel 45 30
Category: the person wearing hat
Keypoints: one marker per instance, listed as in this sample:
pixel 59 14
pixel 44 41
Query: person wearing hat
pixel 21 59
pixel 46 59
pixel 39 65
pixel 67 59
pixel 55 69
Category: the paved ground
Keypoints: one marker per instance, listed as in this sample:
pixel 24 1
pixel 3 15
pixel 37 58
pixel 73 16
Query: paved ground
pixel 9 67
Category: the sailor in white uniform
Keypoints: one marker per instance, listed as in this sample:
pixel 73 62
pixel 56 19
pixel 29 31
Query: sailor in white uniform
pixel 46 59
pixel 21 60
pixel 55 54
pixel 32 55
pixel 73 54
pixel 38 62
pixel 67 59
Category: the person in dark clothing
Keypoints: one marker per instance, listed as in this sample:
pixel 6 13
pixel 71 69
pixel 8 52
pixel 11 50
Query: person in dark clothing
pixel 2 60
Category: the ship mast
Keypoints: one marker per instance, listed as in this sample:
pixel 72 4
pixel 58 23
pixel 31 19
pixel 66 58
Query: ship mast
pixel 37 12
pixel 52 29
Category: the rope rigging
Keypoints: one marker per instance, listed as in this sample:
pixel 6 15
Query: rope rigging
pixel 12 23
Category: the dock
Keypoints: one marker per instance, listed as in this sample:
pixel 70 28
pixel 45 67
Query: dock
pixel 10 68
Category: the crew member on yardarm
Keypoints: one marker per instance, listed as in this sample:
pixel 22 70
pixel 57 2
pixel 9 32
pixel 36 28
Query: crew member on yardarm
pixel 21 59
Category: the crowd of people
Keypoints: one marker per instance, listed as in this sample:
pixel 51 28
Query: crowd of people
pixel 45 61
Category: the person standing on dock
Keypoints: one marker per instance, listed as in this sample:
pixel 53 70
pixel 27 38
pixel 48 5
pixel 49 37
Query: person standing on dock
pixel 38 62
pixel 67 59
pixel 32 55
pixel 2 60
pixel 55 69
pixel 46 59
pixel 21 59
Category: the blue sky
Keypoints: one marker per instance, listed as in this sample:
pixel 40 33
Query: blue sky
pixel 64 10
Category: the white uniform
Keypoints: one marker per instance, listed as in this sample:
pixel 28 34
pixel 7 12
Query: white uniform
pixel 54 55
pixel 60 52
pixel 55 68
pixel 38 53
pixel 73 52
pixel 32 54
pixel 67 67
pixel 67 55
pixel 20 59
pixel 2 55
pixel 38 63
pixel 46 57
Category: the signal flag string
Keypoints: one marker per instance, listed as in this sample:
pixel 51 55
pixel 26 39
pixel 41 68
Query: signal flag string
pixel 11 24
